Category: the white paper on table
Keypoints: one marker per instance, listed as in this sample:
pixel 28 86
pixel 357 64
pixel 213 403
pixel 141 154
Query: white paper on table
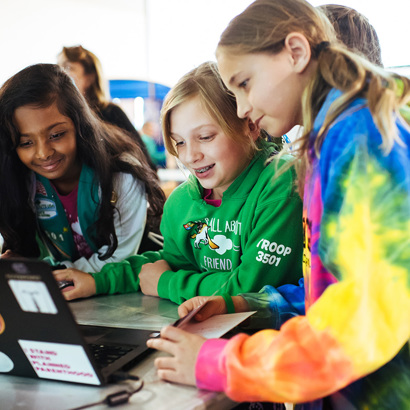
pixel 216 326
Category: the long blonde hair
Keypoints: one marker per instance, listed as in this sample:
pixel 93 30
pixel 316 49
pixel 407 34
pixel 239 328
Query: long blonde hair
pixel 263 27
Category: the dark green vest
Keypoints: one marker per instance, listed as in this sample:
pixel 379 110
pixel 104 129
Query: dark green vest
pixel 52 219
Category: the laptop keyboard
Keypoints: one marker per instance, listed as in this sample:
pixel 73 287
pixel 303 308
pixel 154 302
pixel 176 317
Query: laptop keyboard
pixel 104 354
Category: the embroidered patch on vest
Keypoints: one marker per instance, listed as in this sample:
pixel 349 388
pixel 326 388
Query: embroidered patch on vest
pixel 40 189
pixel 45 208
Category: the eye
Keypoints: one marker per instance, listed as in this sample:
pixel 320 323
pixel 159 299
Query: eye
pixel 57 135
pixel 24 144
pixel 243 84
pixel 179 143
pixel 206 137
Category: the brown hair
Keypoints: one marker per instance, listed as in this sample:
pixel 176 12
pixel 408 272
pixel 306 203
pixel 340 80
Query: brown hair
pixel 97 93
pixel 355 31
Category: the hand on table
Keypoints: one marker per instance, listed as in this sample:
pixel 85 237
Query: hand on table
pixel 9 254
pixel 84 283
pixel 149 276
pixel 215 306
pixel 183 348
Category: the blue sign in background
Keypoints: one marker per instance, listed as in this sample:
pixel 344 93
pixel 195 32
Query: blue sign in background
pixel 137 88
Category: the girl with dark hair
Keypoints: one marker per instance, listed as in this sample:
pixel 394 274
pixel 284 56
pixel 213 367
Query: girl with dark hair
pixel 73 187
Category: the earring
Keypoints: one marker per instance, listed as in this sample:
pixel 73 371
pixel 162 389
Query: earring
pixel 114 198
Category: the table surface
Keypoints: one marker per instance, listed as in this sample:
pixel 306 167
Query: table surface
pixel 134 311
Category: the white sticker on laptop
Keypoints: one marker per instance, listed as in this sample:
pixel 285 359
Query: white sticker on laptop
pixel 59 361
pixel 33 296
pixel 6 364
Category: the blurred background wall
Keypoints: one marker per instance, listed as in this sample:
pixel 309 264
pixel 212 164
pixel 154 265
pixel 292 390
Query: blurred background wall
pixel 146 44
pixel 154 40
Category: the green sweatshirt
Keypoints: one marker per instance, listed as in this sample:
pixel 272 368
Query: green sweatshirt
pixel 253 239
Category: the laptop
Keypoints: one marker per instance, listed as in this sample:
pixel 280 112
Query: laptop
pixel 40 338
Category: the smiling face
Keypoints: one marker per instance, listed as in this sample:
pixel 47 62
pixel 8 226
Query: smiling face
pixel 202 146
pixel 48 145
pixel 269 87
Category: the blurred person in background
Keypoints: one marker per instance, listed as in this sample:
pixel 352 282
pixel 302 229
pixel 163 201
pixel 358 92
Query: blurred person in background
pixel 151 136
pixel 85 69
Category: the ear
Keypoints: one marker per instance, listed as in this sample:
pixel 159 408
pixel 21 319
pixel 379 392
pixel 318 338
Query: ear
pixel 254 130
pixel 299 50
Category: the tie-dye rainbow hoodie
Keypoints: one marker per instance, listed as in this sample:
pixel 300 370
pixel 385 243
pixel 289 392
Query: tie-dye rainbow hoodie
pixel 357 285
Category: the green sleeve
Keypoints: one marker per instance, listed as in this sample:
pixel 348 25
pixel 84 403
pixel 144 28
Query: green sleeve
pixel 122 277
pixel 276 221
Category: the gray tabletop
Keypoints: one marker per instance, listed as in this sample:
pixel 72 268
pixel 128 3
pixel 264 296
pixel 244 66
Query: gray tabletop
pixel 132 311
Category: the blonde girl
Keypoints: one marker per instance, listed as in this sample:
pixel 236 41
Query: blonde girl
pixel 228 229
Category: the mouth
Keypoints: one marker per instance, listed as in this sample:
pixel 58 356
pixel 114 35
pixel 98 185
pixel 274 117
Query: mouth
pixel 50 165
pixel 204 169
pixel 257 122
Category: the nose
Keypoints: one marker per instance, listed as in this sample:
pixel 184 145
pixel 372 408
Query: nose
pixel 243 107
pixel 43 150
pixel 192 153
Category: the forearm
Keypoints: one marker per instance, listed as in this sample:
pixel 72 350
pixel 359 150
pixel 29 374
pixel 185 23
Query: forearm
pixel 275 366
pixel 184 284
pixel 120 277
pixel 240 304
pixel 274 306
pixel 126 248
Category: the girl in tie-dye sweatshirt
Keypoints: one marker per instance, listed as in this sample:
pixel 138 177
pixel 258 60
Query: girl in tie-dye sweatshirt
pixel 350 350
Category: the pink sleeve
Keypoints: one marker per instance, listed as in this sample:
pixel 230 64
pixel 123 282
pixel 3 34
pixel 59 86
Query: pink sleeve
pixel 209 370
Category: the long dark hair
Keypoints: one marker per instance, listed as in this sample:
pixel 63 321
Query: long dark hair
pixel 104 149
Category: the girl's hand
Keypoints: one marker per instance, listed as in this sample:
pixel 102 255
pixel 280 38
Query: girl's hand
pixel 215 305
pixel 10 254
pixel 149 276
pixel 83 283
pixel 183 348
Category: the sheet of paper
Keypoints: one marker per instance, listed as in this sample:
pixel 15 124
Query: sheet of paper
pixel 216 326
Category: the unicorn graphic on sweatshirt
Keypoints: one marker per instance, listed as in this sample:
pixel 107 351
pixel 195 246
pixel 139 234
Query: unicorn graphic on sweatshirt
pixel 201 234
